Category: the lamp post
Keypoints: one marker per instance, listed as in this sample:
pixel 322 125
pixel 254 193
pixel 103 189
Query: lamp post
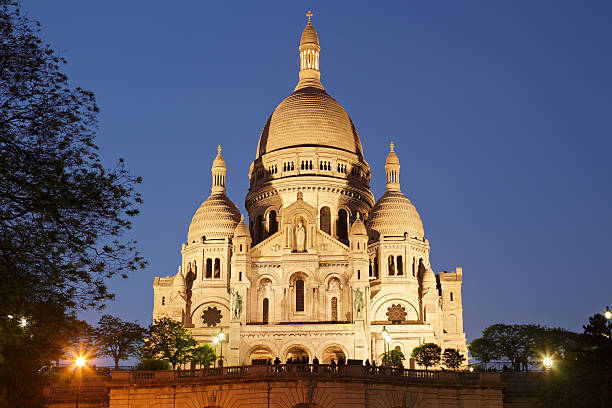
pixel 387 338
pixel 79 363
pixel 547 363
pixel 608 313
pixel 215 342
pixel 221 336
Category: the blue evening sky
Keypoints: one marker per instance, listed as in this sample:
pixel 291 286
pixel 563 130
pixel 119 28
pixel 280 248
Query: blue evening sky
pixel 501 113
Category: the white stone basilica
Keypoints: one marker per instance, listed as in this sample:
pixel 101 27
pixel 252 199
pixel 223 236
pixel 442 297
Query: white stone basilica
pixel 320 268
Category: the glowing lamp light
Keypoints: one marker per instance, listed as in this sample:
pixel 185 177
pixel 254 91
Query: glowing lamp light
pixel 80 362
pixel 547 363
pixel 215 340
pixel 221 335
pixel 471 369
pixel 24 322
pixel 608 313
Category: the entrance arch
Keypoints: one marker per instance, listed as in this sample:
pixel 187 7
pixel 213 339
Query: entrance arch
pixel 334 352
pixel 260 355
pixel 297 352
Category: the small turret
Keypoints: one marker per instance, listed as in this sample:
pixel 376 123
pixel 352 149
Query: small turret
pixel 392 168
pixel 218 173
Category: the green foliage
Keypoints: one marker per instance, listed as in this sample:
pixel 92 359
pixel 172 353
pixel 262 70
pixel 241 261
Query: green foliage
pixel 203 355
pixel 483 350
pixel 168 340
pixel 581 377
pixel 117 338
pixel 62 213
pixel 427 355
pixel 153 365
pixel 394 358
pixel 452 358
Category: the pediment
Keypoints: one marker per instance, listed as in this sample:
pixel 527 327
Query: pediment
pixel 273 245
pixel 326 244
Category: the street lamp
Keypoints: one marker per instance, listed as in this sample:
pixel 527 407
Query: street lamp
pixel 215 342
pixel 79 363
pixel 387 338
pixel 547 363
pixel 608 313
pixel 221 336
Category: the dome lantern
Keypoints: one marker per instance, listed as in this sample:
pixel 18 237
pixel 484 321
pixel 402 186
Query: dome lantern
pixel 310 76
pixel 218 173
pixel 392 168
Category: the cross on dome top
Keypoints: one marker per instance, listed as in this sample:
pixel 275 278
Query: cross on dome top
pixel 219 149
pixel 309 15
pixel 391 145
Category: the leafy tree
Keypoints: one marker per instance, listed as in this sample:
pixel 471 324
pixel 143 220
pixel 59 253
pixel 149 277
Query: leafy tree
pixel 62 213
pixel 452 358
pixel 168 340
pixel 394 358
pixel 427 355
pixel 153 365
pixel 117 338
pixel 483 350
pixel 581 377
pixel 515 342
pixel 203 355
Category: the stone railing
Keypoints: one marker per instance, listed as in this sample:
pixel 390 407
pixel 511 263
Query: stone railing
pixel 305 370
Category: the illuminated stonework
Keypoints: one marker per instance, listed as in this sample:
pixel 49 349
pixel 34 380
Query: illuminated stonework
pixel 320 267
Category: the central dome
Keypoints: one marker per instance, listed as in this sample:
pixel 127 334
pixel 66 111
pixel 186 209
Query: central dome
pixel 309 117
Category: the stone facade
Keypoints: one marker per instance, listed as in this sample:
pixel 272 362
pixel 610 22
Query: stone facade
pixel 320 268
pixel 271 386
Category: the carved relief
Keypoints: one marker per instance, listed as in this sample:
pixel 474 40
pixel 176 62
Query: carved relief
pixel 211 316
pixel 396 313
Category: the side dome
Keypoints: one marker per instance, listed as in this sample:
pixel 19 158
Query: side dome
pixel 309 117
pixel 394 214
pixel 217 217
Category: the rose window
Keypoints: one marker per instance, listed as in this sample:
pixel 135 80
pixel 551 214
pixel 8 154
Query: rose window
pixel 211 316
pixel 396 313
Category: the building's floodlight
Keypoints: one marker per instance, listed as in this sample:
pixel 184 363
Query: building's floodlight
pixel 547 363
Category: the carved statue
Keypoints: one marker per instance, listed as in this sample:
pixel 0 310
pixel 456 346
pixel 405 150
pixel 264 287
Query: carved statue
pixel 300 237
pixel 236 304
pixel 358 302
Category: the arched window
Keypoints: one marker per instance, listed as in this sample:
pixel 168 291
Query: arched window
pixel 376 267
pixel 334 309
pixel 391 266
pixel 163 300
pixel 265 308
pixel 413 266
pixel 400 265
pixel 272 222
pixel 217 268
pixel 325 220
pixel 342 226
pixel 260 228
pixel 209 268
pixel 370 269
pixel 451 296
pixel 299 295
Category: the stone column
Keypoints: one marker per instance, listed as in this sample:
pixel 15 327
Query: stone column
pixel 360 346
pixel 233 352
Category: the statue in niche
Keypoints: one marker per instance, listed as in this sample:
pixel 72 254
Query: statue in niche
pixel 300 237
pixel 358 302
pixel 236 304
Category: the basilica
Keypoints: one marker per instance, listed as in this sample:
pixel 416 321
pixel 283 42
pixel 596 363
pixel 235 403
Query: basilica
pixel 317 267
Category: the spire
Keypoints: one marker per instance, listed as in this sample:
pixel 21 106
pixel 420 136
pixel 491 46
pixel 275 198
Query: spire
pixel 309 57
pixel 392 168
pixel 218 173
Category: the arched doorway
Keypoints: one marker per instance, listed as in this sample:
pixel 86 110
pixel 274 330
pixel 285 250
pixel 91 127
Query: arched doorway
pixel 297 353
pixel 272 223
pixel 261 355
pixel 333 352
